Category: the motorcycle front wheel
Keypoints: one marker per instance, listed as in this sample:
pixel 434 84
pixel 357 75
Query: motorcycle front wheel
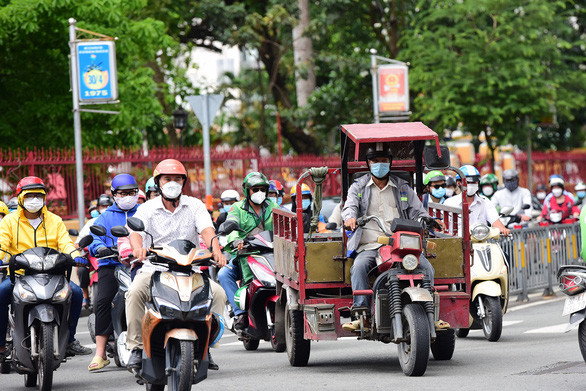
pixel 414 354
pixel 46 357
pixel 179 358
pixel 492 323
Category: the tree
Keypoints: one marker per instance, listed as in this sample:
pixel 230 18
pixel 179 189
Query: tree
pixel 34 72
pixel 492 65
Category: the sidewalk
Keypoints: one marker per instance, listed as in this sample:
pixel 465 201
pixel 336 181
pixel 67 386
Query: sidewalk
pixel 535 297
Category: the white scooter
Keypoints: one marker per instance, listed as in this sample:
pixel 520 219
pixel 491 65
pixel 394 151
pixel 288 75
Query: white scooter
pixel 572 280
pixel 490 284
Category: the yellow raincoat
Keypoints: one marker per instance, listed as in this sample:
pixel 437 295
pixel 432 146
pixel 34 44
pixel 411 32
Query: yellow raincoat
pixel 17 234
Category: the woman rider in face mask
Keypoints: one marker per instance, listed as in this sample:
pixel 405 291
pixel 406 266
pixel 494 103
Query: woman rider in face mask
pixel 559 206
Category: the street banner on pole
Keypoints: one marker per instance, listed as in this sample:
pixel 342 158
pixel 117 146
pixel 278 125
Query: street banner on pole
pixel 98 80
pixel 393 81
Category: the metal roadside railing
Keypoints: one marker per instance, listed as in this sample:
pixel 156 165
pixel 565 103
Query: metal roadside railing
pixel 535 255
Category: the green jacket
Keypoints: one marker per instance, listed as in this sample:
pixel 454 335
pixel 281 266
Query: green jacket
pixel 583 233
pixel 248 220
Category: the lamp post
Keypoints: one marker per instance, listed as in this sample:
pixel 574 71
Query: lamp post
pixel 180 121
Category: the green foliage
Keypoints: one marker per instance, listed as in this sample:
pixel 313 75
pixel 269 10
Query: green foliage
pixel 493 63
pixel 36 101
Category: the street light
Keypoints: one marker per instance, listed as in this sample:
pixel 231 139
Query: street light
pixel 180 121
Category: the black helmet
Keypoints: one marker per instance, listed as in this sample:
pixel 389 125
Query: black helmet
pixel 105 200
pixel 541 187
pixel 379 151
pixel 450 181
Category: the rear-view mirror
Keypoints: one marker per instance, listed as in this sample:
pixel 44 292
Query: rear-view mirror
pixel 435 162
pixel 119 231
pixel 98 230
pixel 506 210
pixel 135 224
pixel 227 226
pixel 331 226
pixel 73 232
pixel 85 241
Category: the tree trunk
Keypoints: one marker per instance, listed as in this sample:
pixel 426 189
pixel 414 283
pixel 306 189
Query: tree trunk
pixel 491 147
pixel 303 54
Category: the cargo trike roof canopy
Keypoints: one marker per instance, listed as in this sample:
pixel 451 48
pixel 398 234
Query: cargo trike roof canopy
pixel 398 136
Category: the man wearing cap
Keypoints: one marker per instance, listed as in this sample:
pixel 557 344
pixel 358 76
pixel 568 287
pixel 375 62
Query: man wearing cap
pixel 513 196
pixel 388 197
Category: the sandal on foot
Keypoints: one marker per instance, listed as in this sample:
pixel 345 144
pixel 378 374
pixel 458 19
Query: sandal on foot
pixel 97 363
pixel 441 325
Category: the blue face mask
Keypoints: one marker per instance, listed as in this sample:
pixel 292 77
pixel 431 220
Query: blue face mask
pixel 581 194
pixel 438 193
pixel 274 199
pixel 305 204
pixel 223 210
pixel 94 213
pixel 380 170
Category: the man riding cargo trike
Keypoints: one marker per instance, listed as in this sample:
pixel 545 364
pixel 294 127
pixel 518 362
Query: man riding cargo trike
pixel 395 271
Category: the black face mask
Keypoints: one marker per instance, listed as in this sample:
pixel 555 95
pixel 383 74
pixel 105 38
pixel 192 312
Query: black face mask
pixel 512 185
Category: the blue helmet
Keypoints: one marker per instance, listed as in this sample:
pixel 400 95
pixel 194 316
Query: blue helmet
pixel 123 182
pixel 471 173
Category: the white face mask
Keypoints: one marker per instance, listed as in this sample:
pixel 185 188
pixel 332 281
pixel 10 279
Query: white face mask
pixel 557 192
pixel 555 217
pixel 126 203
pixel 541 195
pixel 487 190
pixel 472 189
pixel 258 197
pixel 33 205
pixel 172 190
pixel 449 192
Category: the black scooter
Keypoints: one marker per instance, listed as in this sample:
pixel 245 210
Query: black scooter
pixel 40 312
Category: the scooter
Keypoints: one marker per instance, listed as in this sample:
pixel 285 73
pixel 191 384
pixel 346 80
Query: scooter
pixel 116 347
pixel 258 296
pixel 39 313
pixel 178 327
pixel 490 284
pixel 572 280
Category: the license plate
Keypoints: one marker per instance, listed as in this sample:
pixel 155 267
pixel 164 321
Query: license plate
pixel 574 304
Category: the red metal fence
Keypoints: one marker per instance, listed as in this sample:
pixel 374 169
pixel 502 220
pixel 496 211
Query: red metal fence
pixel 570 165
pixel 57 169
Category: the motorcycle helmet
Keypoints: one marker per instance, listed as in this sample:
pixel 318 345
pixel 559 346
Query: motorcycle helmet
pixel 305 190
pixel 434 176
pixel 471 173
pixel 379 151
pixel 450 181
pixel 169 167
pixel 105 200
pixel 123 182
pixel 31 183
pixel 489 180
pixel 255 179
pixel 556 180
pixel 12 204
pixel 150 187
pixel 240 297
pixel 230 196
pixel 276 187
pixel 141 195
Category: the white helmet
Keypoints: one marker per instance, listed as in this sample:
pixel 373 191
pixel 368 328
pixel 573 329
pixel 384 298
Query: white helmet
pixel 580 186
pixel 230 195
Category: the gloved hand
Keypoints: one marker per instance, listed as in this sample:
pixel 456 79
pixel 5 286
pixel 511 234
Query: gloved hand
pixel 105 252
pixel 80 261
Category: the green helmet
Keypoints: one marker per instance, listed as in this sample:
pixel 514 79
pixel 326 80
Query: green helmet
pixel 489 179
pixel 434 176
pixel 254 179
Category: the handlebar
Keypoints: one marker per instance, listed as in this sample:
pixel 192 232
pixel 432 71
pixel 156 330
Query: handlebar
pixel 362 221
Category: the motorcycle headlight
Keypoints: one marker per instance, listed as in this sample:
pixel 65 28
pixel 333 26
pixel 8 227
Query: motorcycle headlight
pixel 123 278
pixel 410 242
pixel 50 261
pixel 25 293
pixel 480 232
pixel 164 303
pixel 410 262
pixel 262 274
pixel 62 294
pixel 205 304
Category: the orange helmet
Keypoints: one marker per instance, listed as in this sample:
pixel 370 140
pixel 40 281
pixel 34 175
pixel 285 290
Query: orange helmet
pixel 30 183
pixel 169 167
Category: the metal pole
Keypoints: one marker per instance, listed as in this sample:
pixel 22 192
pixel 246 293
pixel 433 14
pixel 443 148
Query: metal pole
pixel 207 163
pixel 76 124
pixel 374 89
pixel 529 159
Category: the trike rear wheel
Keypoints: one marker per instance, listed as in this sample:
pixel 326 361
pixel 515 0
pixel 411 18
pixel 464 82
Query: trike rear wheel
pixel 462 333
pixel 298 348
pixel 414 354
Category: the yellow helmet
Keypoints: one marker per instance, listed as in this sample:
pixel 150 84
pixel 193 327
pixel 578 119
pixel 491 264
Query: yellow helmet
pixel 304 190
pixel 3 208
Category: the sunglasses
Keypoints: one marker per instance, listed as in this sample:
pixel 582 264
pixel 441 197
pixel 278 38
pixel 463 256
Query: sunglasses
pixel 439 186
pixel 257 189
